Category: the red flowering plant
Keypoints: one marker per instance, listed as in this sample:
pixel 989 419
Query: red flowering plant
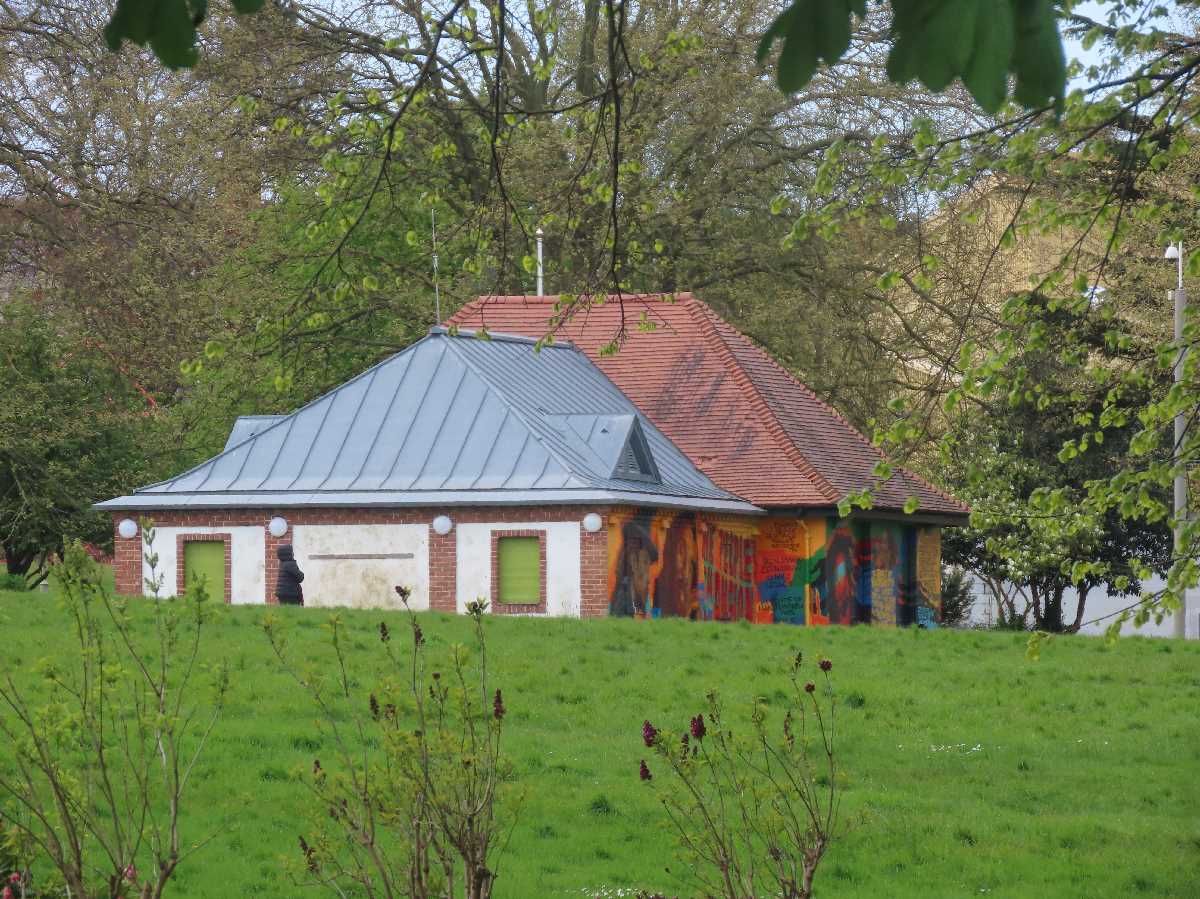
pixel 754 814
pixel 409 801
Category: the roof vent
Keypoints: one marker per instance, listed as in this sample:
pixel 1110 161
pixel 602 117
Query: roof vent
pixel 635 463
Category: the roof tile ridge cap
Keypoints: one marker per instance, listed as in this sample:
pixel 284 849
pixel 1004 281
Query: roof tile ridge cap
pixel 519 415
pixel 707 320
pixel 949 497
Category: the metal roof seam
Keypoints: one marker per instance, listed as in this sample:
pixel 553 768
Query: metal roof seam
pixel 416 413
pixel 345 437
pixel 312 443
pixel 492 449
pixel 462 445
pixel 407 355
pixel 512 404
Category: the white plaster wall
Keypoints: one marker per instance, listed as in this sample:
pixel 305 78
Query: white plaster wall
pixel 248 545
pixel 363 583
pixel 1100 605
pixel 474 566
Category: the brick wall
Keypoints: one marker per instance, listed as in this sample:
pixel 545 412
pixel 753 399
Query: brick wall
pixel 127 566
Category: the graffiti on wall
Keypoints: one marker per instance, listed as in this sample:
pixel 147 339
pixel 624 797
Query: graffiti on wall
pixel 726 588
pixel 786 569
pixel 929 575
pixel 674 564
pixel 652 564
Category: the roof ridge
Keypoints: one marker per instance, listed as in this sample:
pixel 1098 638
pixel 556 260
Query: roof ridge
pixel 838 415
pixel 520 415
pixel 704 317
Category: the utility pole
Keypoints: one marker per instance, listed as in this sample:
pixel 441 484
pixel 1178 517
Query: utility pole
pixel 1175 251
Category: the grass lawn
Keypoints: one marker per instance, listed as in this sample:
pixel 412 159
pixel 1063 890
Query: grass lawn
pixel 971 771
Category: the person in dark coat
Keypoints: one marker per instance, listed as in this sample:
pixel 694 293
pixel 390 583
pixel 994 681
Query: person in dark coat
pixel 287 585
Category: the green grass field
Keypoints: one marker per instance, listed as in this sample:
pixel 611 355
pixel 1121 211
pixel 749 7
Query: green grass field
pixel 971 771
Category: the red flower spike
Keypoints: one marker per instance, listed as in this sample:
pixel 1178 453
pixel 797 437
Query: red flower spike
pixel 698 728
pixel 826 665
pixel 644 772
pixel 809 687
pixel 649 733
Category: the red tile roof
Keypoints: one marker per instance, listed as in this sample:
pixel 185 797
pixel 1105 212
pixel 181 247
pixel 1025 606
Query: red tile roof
pixel 740 416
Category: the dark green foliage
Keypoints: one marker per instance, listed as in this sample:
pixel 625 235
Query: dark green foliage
pixel 14 582
pixel 73 431
pixel 935 41
pixel 168 26
pixel 956 597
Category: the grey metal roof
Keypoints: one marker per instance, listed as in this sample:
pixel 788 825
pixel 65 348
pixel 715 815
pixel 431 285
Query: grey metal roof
pixel 247 426
pixel 454 420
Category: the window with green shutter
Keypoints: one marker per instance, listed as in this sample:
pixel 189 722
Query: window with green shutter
pixel 519 560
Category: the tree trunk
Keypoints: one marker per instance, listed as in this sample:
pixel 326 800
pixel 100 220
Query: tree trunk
pixel 1079 607
pixel 17 563
pixel 1050 618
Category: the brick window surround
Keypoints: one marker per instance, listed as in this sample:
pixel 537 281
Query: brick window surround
pixel 521 608
pixel 226 538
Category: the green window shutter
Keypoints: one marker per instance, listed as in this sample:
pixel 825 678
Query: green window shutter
pixel 205 558
pixel 520 562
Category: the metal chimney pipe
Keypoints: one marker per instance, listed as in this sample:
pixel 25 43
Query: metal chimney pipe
pixel 541 287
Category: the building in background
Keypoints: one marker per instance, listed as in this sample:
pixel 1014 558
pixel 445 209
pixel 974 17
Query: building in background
pixel 761 434
pixel 688 476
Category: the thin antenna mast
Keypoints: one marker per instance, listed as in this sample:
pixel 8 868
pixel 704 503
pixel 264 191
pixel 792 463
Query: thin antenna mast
pixel 541 289
pixel 437 293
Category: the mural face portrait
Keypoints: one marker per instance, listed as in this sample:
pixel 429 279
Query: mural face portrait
pixel 841 576
pixel 631 591
pixel 675 589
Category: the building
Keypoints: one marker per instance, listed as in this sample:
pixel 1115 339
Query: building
pixel 687 475
pixel 459 468
pixel 761 434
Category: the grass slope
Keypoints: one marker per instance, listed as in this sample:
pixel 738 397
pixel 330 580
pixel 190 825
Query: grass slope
pixel 971 770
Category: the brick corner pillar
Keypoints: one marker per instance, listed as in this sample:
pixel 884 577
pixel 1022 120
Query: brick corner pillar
pixel 593 570
pixel 127 560
pixel 270 558
pixel 443 568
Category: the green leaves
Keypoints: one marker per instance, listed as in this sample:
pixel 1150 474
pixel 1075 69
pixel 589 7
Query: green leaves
pixel 168 26
pixel 980 42
pixel 811 30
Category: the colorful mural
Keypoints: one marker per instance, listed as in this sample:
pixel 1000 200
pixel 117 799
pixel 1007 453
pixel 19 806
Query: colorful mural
pixel 929 576
pixel 726 587
pixel 784 569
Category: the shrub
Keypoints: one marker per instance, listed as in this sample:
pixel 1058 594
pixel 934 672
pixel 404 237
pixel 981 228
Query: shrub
pixel 12 582
pixel 957 599
pixel 754 815
pixel 409 805
pixel 94 802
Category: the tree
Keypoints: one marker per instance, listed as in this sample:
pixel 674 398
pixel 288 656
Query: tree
pixel 978 41
pixel 1031 524
pixel 72 432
